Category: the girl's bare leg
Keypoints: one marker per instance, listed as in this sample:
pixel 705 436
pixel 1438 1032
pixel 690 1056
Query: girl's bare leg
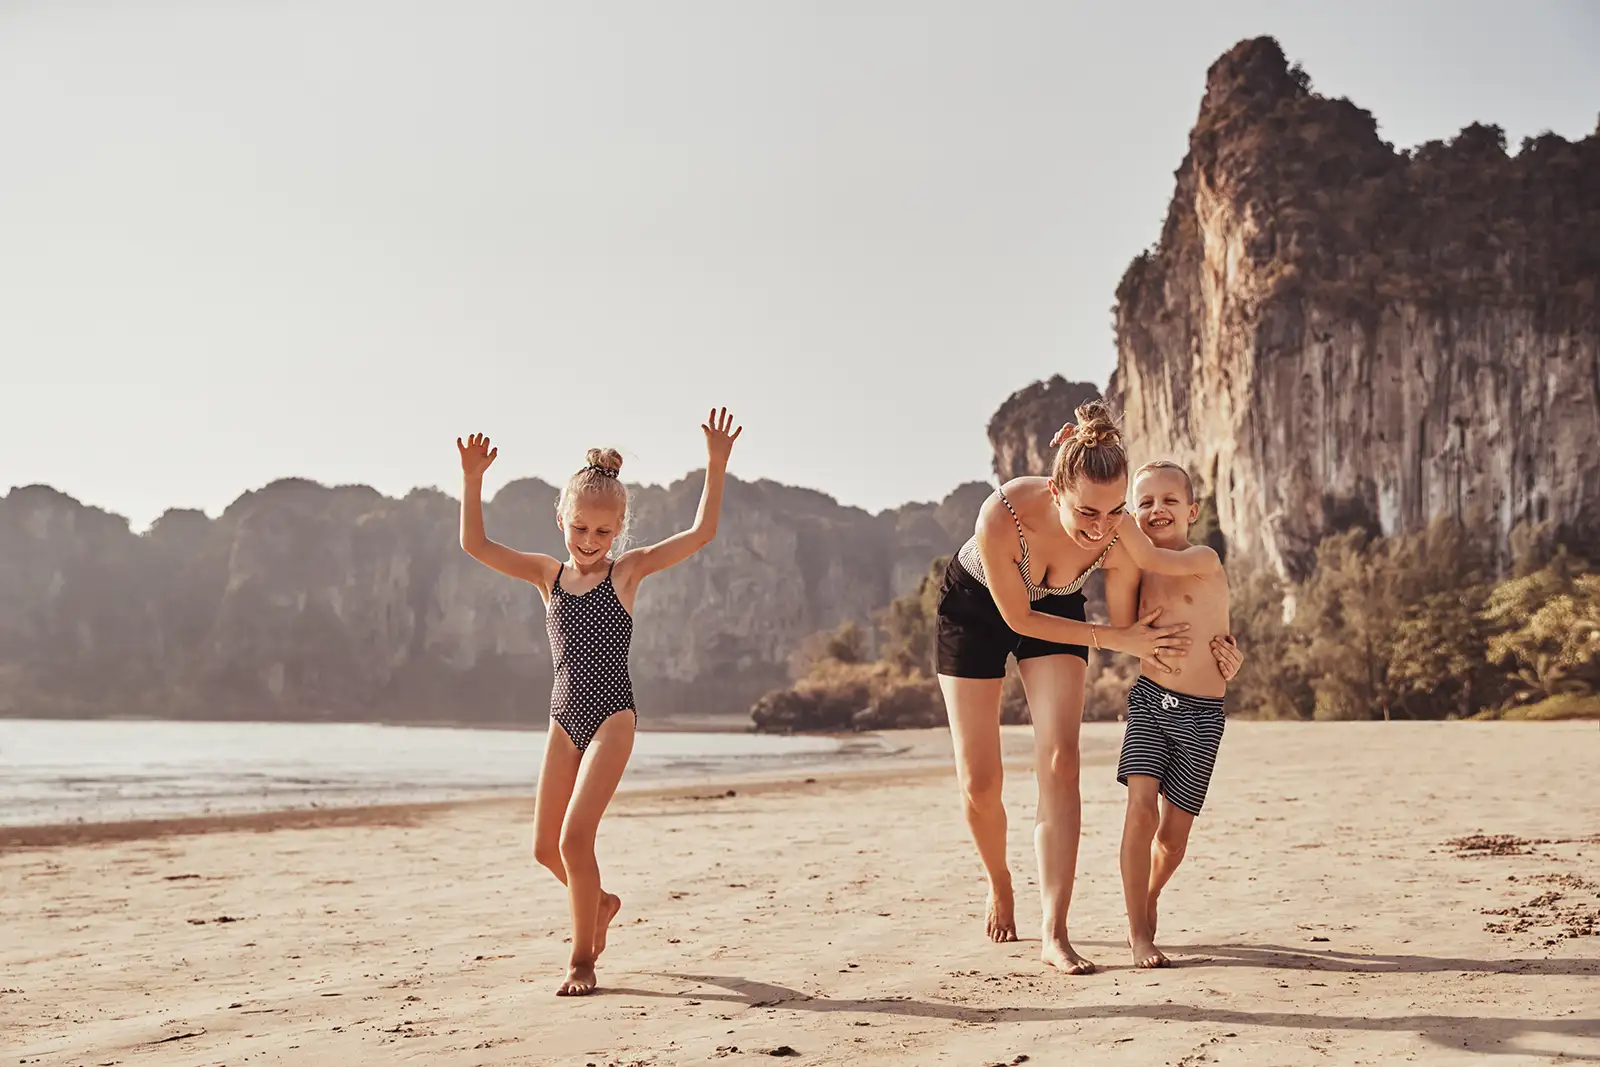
pixel 973 705
pixel 1054 685
pixel 601 771
pixel 557 778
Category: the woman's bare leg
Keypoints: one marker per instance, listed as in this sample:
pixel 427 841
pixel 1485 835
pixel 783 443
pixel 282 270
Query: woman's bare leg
pixel 1054 685
pixel 973 705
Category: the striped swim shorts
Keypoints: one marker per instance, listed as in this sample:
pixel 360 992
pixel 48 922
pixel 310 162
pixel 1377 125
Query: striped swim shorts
pixel 1173 738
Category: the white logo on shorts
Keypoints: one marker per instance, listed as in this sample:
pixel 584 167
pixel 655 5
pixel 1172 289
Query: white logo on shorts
pixel 1168 701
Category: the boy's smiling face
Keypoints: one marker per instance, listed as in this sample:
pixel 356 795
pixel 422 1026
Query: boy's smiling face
pixel 1162 505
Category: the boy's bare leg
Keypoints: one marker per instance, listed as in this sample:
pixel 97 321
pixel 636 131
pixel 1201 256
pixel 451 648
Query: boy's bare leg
pixel 1172 840
pixel 1054 685
pixel 1138 832
pixel 557 778
pixel 603 764
pixel 973 705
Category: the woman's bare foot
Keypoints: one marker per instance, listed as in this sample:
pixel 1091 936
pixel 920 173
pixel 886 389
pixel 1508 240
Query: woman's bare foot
pixel 580 981
pixel 1001 922
pixel 1059 953
pixel 1146 955
pixel 610 904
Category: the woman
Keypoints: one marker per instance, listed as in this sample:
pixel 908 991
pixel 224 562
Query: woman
pixel 1015 588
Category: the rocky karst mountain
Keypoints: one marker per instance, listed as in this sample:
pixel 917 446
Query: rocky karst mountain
pixel 1021 429
pixel 1332 333
pixel 1328 332
pixel 302 601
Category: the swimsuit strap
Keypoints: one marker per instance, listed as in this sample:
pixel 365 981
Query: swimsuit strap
pixel 555 587
pixel 1014 516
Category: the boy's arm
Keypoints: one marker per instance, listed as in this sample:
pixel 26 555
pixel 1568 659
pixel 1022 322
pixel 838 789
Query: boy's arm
pixel 1196 559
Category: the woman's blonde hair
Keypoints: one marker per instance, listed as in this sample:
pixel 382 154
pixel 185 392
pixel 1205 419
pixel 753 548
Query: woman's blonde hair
pixel 1094 450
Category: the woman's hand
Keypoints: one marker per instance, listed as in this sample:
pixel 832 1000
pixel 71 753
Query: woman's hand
pixel 1066 431
pixel 719 442
pixel 1225 650
pixel 1148 641
pixel 476 455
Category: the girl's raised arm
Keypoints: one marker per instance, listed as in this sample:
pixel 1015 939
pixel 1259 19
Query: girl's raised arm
pixel 720 436
pixel 476 455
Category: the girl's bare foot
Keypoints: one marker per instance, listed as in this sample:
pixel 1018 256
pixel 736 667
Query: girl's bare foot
pixel 1146 955
pixel 1001 922
pixel 1059 953
pixel 610 904
pixel 580 981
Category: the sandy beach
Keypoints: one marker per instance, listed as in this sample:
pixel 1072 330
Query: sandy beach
pixel 1354 893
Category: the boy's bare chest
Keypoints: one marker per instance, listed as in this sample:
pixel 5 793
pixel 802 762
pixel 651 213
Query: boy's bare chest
pixel 1201 601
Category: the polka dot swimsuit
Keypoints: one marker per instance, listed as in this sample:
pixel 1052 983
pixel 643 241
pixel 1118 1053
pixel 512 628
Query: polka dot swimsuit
pixel 589 638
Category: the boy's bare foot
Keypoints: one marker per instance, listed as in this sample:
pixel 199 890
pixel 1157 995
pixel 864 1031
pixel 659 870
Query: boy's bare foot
pixel 610 904
pixel 1146 955
pixel 1059 953
pixel 1001 922
pixel 580 981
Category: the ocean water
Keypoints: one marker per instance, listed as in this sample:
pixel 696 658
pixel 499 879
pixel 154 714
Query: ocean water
pixel 54 771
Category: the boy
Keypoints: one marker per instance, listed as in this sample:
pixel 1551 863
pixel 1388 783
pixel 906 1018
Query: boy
pixel 1174 727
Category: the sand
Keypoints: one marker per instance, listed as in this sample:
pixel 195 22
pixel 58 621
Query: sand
pixel 1322 917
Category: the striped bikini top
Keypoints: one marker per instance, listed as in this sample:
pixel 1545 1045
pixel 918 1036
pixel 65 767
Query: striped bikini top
pixel 973 565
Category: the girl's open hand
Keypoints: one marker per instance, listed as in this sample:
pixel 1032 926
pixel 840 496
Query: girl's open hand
pixel 719 442
pixel 476 455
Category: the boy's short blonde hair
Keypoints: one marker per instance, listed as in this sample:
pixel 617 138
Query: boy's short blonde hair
pixel 1168 465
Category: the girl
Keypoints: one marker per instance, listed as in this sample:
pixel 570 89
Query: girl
pixel 589 615
pixel 1015 588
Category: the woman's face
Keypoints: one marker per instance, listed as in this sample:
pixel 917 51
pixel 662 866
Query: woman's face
pixel 1090 511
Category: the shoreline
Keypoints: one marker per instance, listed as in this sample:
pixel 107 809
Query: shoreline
pixel 919 754
pixel 655 724
pixel 878 765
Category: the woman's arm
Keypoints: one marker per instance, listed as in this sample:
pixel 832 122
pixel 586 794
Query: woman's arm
pixel 997 548
pixel 641 562
pixel 534 567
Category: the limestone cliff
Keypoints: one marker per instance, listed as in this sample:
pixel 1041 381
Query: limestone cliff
pixel 1330 332
pixel 302 601
pixel 1020 431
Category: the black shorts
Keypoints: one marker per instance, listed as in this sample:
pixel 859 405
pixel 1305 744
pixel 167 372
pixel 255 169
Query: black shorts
pixel 974 640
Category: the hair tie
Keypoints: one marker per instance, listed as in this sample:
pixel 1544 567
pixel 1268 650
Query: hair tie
pixel 609 472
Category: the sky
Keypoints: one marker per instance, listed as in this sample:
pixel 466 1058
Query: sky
pixel 245 241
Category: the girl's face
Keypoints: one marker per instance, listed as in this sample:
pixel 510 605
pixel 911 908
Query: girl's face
pixel 590 527
pixel 1090 511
